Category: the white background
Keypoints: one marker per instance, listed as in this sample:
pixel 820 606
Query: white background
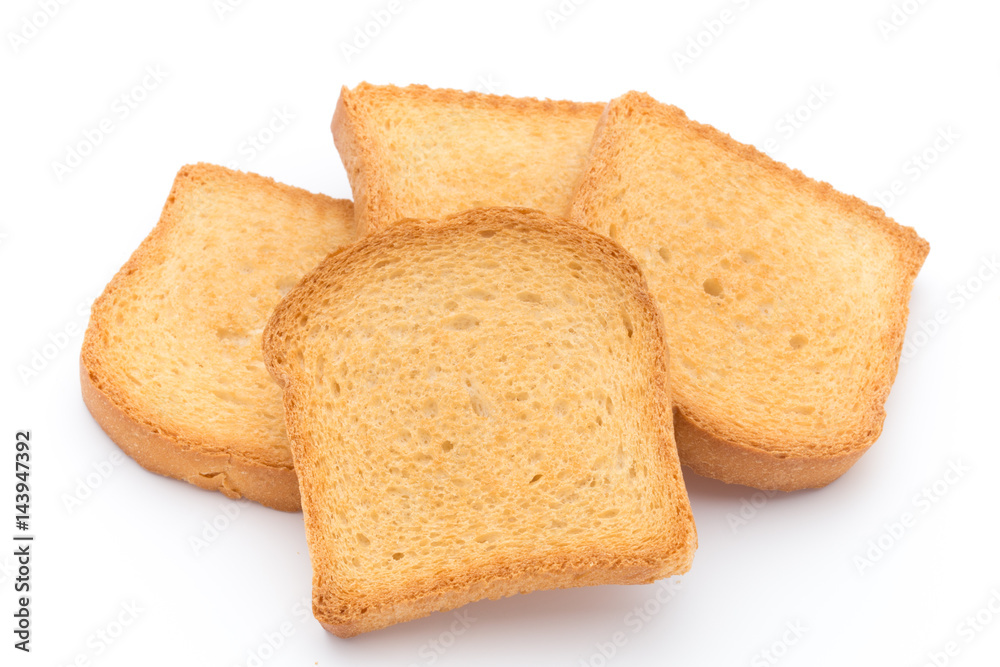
pixel 794 560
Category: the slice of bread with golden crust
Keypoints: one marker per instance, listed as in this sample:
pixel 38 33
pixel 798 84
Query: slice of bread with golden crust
pixel 171 366
pixel 478 407
pixel 419 152
pixel 785 301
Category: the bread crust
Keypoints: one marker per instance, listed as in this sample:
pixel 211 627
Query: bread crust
pixel 212 464
pixel 355 138
pixel 234 476
pixel 710 444
pixel 734 462
pixel 503 579
pixel 670 552
pixel 361 161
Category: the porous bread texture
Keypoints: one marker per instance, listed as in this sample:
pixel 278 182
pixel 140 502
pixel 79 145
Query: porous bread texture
pixel 171 366
pixel 785 301
pixel 419 152
pixel 478 407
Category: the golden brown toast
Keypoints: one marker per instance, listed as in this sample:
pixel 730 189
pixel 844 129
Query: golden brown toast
pixel 479 407
pixel 419 152
pixel 785 301
pixel 171 366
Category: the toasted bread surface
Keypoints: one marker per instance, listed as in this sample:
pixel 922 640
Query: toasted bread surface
pixel 419 152
pixel 171 366
pixel 478 407
pixel 785 301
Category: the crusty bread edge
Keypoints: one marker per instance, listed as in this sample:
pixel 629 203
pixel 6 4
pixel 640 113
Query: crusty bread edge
pixel 484 100
pixel 499 579
pixel 736 463
pixel 710 447
pixel 272 487
pixel 360 159
pixel 190 460
pixel 363 157
pixel 503 580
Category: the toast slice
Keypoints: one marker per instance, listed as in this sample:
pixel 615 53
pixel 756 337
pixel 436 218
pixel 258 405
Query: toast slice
pixel 478 407
pixel 419 152
pixel 785 301
pixel 171 366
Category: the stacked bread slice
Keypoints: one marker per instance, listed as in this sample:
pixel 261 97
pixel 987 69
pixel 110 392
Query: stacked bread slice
pixel 419 152
pixel 171 366
pixel 479 406
pixel 472 392
pixel 785 300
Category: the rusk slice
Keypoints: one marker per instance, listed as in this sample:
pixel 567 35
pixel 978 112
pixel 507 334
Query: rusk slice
pixel 419 152
pixel 785 301
pixel 479 407
pixel 171 366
